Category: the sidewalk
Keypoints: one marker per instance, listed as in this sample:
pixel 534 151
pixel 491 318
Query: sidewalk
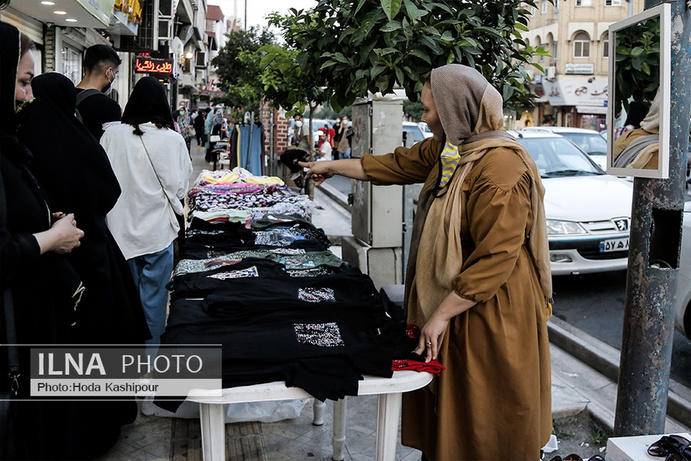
pixel 575 388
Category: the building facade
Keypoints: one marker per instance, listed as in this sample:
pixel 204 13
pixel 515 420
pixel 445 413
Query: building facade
pixel 170 30
pixel 573 89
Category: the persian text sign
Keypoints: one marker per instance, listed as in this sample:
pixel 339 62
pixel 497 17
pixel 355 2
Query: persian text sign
pixel 147 64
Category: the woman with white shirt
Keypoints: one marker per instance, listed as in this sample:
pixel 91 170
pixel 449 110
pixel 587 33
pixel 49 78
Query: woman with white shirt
pixel 151 162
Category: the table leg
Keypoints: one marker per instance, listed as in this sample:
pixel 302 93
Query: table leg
pixel 388 415
pixel 318 410
pixel 339 430
pixel 212 421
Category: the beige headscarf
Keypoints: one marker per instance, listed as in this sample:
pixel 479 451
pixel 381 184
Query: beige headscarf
pixel 464 99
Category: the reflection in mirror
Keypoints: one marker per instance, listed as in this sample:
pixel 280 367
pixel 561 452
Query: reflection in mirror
pixel 637 74
pixel 638 116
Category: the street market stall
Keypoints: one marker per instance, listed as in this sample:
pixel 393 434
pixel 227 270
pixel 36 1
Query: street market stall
pixel 293 319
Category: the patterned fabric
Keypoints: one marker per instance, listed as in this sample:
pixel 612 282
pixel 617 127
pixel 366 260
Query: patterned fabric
pixel 450 157
pixel 319 334
pixel 317 295
pixel 242 273
pixel 306 260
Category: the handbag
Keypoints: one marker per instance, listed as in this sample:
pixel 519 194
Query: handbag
pixel 180 218
pixel 8 407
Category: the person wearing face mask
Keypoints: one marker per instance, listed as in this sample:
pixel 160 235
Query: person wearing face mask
pixel 94 108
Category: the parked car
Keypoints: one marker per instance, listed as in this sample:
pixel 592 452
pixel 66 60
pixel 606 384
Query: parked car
pixel 413 133
pixel 588 212
pixel 682 300
pixel 425 130
pixel 589 141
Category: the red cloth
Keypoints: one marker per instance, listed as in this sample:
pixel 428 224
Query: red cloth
pixel 433 366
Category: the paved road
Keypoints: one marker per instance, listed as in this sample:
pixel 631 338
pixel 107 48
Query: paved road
pixel 594 303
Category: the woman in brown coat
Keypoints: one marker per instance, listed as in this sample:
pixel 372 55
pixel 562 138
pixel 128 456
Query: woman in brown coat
pixel 478 282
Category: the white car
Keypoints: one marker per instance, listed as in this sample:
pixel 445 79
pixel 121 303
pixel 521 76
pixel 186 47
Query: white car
pixel 413 133
pixel 589 141
pixel 682 300
pixel 425 130
pixel 588 212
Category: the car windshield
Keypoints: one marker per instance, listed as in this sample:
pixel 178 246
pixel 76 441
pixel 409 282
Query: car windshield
pixel 590 143
pixel 557 157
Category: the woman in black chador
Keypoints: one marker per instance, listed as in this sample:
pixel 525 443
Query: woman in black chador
pixel 77 177
pixel 46 287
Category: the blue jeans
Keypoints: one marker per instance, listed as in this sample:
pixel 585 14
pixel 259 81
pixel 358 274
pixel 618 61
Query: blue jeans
pixel 151 274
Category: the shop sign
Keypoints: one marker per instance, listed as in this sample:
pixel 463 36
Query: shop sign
pixel 150 65
pixel 575 91
pixel 100 9
pixel 580 68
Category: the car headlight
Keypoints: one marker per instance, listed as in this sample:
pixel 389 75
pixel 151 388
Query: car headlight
pixel 555 227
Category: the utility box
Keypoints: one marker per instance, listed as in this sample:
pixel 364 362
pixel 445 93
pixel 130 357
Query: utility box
pixel 383 265
pixel 377 214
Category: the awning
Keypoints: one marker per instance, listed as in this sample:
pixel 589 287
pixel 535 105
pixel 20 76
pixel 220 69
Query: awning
pixel 574 90
pixel 591 110
pixel 70 13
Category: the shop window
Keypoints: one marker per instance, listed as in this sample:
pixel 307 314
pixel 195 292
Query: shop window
pixel 584 2
pixel 581 45
pixel 71 64
pixel 555 47
pixel 605 47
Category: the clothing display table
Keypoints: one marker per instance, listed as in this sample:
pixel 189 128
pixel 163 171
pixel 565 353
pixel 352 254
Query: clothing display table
pixel 389 390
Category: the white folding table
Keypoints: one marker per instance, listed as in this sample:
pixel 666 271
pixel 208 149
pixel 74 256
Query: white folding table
pixel 389 390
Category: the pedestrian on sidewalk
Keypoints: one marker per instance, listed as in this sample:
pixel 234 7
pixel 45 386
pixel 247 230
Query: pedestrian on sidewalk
pixel 151 162
pixel 95 108
pixel 199 127
pixel 67 161
pixel 478 281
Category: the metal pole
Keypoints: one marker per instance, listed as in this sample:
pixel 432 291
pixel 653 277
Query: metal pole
pixel 245 15
pixel 654 260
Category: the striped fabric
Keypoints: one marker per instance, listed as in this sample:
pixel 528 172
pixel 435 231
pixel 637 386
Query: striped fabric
pixel 450 157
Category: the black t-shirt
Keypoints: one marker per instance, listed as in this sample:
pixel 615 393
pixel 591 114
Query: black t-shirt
pixel 97 110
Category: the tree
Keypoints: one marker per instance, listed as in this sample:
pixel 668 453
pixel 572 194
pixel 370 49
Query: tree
pixel 237 66
pixel 376 45
pixel 638 63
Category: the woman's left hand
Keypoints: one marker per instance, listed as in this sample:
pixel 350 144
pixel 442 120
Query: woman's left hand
pixel 430 336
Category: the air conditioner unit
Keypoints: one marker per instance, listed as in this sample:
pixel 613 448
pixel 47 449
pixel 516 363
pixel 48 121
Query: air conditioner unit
pixel 551 72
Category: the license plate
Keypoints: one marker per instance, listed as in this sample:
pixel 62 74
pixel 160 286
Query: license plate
pixel 614 245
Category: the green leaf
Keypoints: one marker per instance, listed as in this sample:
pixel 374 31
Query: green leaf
pixel 646 68
pixel 520 26
pixel 399 76
pixel 328 64
pixel 391 8
pixel 446 36
pixel 376 71
pixel 419 54
pixel 391 26
pixel 414 13
pixel 637 51
pixel 359 5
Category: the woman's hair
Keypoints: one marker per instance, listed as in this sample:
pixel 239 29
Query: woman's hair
pixel 148 103
pixel 26 44
pixel 637 112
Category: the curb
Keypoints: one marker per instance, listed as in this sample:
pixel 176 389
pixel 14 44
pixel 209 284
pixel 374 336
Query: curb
pixel 335 195
pixel 605 359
